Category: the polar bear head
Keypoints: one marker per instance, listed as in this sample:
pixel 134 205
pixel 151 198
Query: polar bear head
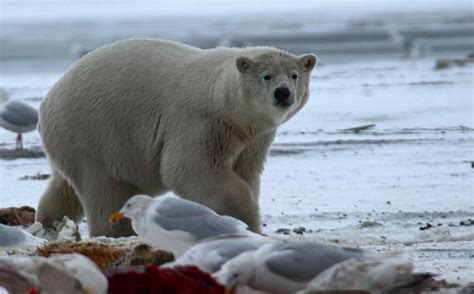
pixel 275 83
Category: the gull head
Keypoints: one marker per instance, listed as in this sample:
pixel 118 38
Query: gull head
pixel 236 272
pixel 133 208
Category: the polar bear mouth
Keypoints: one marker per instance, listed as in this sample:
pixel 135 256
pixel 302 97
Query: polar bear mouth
pixel 284 104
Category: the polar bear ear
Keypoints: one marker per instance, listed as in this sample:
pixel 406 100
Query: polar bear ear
pixel 244 64
pixel 308 61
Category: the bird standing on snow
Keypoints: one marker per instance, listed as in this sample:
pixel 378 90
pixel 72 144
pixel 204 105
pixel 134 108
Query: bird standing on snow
pixel 16 237
pixel 210 255
pixel 171 223
pixel 17 117
pixel 282 267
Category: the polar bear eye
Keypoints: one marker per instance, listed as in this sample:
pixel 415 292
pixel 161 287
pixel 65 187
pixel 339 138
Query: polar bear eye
pixel 294 76
pixel 267 77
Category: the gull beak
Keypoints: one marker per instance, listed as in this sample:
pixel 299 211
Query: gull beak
pixel 115 217
pixel 230 290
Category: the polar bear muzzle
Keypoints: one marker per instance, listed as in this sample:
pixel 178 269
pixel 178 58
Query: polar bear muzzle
pixel 282 97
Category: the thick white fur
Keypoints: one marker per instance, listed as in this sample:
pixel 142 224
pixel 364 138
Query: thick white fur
pixel 148 116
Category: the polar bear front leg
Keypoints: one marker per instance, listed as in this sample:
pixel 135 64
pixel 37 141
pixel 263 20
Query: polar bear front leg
pixel 221 190
pixel 234 197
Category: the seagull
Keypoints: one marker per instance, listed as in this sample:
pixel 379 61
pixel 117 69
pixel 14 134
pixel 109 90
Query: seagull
pixel 62 273
pixel 17 117
pixel 211 254
pixel 71 273
pixel 171 223
pixel 13 237
pixel 18 273
pixel 382 274
pixel 15 281
pixel 282 267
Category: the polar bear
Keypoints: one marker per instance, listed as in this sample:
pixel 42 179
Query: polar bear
pixel 145 116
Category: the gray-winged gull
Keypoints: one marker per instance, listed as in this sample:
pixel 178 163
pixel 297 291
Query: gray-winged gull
pixel 376 274
pixel 282 267
pixel 17 117
pixel 211 254
pixel 64 273
pixel 72 274
pixel 18 273
pixel 175 224
pixel 16 237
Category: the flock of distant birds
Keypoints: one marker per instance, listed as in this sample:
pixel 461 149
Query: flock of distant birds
pixel 17 116
pixel 223 246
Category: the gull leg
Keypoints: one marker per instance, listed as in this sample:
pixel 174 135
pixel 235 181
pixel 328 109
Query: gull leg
pixel 19 142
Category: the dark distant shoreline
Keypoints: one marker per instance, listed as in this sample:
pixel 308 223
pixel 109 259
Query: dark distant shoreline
pixel 393 35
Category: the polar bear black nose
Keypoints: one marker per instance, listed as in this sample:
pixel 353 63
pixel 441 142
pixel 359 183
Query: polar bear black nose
pixel 281 96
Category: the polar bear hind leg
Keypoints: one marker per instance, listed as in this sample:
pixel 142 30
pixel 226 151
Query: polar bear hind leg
pixel 58 200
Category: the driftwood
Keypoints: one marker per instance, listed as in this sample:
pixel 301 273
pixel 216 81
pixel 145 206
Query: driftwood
pixel 447 63
pixel 39 176
pixel 10 154
pixel 358 129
